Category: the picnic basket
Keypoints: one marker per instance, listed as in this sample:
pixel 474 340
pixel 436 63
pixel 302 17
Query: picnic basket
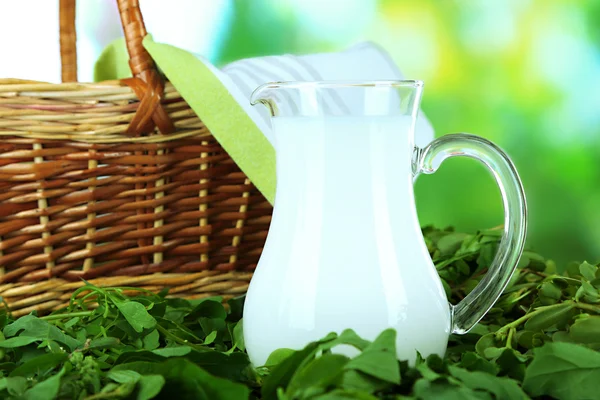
pixel 118 183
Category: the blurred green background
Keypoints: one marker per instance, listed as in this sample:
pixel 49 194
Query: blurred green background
pixel 523 73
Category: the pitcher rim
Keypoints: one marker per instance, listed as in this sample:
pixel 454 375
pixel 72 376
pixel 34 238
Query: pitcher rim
pixel 344 83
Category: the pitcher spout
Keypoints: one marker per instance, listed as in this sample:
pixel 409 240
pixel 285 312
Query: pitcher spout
pixel 264 94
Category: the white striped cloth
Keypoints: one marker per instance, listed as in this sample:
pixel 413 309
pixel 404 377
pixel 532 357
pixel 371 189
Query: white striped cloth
pixel 365 61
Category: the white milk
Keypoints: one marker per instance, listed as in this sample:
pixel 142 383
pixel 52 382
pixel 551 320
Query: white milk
pixel 345 248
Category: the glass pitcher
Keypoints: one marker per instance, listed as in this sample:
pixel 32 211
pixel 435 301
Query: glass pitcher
pixel 345 248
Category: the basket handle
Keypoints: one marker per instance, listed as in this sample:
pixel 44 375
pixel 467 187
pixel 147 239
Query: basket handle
pixel 146 82
pixel 68 38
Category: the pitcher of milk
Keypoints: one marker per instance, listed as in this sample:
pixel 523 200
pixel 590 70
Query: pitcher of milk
pixel 345 249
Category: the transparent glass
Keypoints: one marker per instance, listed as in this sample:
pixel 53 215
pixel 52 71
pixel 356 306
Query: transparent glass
pixel 345 249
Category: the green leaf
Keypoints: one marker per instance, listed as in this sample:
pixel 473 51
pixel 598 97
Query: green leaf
pixel 283 372
pixel 18 341
pixel 572 269
pixel 474 362
pixel 485 342
pixel 493 352
pixel 586 330
pixel 378 359
pixel 209 308
pixel 536 261
pixel 123 376
pixel 551 290
pixel 353 379
pixel 277 356
pixel 39 365
pixel 344 394
pixel 113 62
pixel 525 339
pixel 501 388
pixel 210 338
pixel 217 108
pixel 150 386
pixel 175 351
pixel 238 336
pixel 151 340
pixel 588 292
pixel 139 355
pixel 523 262
pixel 426 371
pixel 16 385
pixel 425 389
pixel 563 370
pixel 236 307
pixel 512 364
pixel 47 389
pixel 322 371
pixel 462 267
pixel 449 244
pixel 189 380
pixel 104 343
pixel 32 326
pixel 234 366
pixel 347 337
pixel 486 256
pixel 136 315
pixel 72 322
pixel 553 315
pixel 588 271
pixel 562 336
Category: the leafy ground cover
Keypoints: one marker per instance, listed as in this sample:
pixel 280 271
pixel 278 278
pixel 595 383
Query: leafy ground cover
pixel 541 340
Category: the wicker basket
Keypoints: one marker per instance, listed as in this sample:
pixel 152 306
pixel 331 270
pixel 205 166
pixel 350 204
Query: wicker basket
pixel 118 183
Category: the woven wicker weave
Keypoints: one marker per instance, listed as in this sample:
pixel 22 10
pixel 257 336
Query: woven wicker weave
pixel 118 183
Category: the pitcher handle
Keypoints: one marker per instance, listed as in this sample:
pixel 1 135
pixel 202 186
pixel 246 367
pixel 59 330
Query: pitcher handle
pixel 473 307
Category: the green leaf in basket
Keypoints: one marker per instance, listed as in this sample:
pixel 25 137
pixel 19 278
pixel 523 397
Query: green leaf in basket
pixel 113 62
pixel 210 99
pixel 220 112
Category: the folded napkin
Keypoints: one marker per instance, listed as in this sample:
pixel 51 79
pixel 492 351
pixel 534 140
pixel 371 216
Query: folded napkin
pixel 365 61
pixel 220 97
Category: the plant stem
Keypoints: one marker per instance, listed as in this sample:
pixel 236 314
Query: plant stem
pixel 525 317
pixel 538 273
pixel 179 340
pixel 67 315
pixel 588 307
pixel 115 394
pixel 511 332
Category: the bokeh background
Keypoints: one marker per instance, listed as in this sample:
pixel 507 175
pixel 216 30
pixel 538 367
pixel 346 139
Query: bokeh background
pixel 523 73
